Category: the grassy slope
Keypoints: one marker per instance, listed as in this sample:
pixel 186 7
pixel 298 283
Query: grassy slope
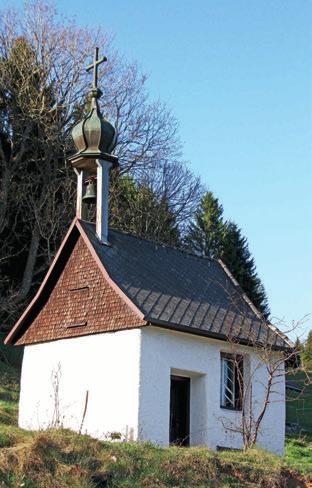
pixel 299 411
pixel 9 391
pixel 60 458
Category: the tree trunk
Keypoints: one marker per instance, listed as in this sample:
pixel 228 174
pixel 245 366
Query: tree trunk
pixel 263 410
pixel 30 266
pixel 4 196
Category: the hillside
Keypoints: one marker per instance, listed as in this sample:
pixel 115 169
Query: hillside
pixel 60 458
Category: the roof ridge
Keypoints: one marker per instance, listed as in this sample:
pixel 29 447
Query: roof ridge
pixel 156 243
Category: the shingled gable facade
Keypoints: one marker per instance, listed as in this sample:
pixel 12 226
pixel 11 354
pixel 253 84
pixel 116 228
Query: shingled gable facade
pixel 129 336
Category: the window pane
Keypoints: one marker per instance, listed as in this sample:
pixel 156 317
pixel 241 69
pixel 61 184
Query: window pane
pixel 229 384
pixel 231 381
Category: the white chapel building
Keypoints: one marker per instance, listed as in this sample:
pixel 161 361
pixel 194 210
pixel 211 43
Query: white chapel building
pixel 128 338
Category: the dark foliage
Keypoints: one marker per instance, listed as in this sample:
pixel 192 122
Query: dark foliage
pixel 209 235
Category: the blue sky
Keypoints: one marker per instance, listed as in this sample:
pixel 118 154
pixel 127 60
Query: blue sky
pixel 237 75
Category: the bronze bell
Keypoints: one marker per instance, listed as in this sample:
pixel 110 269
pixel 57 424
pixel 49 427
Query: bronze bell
pixel 90 195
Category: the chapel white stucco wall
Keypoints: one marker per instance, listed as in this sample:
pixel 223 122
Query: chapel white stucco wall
pixel 164 352
pixel 127 375
pixel 105 365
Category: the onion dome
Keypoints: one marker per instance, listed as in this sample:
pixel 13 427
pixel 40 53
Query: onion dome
pixel 94 136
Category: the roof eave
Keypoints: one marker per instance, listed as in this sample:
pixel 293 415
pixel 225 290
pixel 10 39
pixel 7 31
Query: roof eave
pixel 209 334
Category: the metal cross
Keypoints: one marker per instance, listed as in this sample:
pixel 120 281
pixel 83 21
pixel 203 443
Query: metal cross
pixel 95 65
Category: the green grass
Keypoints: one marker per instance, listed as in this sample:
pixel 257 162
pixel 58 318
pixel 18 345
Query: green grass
pixel 299 407
pixel 61 458
pixel 9 393
pixel 298 453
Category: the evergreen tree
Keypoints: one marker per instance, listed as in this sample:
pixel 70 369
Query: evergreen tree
pixel 307 352
pixel 299 350
pixel 237 257
pixel 136 209
pixel 204 235
pixel 208 235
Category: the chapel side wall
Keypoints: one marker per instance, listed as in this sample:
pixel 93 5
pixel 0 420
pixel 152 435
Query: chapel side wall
pixel 271 434
pixel 164 352
pixel 106 365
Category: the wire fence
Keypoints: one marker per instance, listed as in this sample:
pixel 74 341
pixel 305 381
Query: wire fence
pixel 304 418
pixel 299 415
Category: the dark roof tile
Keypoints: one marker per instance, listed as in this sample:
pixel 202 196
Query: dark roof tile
pixel 181 289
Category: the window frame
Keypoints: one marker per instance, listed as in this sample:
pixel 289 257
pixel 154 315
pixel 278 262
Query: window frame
pixel 237 367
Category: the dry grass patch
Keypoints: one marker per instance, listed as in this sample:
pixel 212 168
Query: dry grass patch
pixel 61 458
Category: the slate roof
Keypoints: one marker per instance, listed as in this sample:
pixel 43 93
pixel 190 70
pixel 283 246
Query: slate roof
pixel 182 291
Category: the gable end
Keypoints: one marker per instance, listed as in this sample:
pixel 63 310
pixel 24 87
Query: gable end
pixel 77 301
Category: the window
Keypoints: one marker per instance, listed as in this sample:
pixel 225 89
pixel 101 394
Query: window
pixel 231 381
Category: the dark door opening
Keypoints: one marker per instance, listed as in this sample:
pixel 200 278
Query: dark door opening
pixel 180 411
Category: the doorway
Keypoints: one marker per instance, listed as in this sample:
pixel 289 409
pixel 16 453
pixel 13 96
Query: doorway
pixel 179 429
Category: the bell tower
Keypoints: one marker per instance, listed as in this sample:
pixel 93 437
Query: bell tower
pixel 94 138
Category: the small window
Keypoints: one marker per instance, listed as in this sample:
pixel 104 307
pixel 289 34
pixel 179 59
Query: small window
pixel 80 289
pixel 78 324
pixel 231 381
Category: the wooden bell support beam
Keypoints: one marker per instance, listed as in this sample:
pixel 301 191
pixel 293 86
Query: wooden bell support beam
pixel 81 208
pixel 102 195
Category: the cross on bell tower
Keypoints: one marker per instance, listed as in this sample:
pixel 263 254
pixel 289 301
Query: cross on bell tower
pixel 95 65
pixel 94 138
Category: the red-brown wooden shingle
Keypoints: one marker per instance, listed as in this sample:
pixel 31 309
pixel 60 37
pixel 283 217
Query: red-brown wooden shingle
pixel 81 302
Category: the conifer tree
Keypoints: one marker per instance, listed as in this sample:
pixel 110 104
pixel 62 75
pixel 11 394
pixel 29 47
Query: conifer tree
pixel 208 235
pixel 307 352
pixel 299 350
pixel 137 209
pixel 204 235
pixel 237 257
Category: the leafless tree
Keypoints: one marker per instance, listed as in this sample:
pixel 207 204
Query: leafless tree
pixel 175 182
pixel 43 88
pixel 265 367
pixel 56 375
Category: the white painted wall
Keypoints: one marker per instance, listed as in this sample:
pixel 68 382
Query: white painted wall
pixel 165 352
pixel 107 365
pixel 127 375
